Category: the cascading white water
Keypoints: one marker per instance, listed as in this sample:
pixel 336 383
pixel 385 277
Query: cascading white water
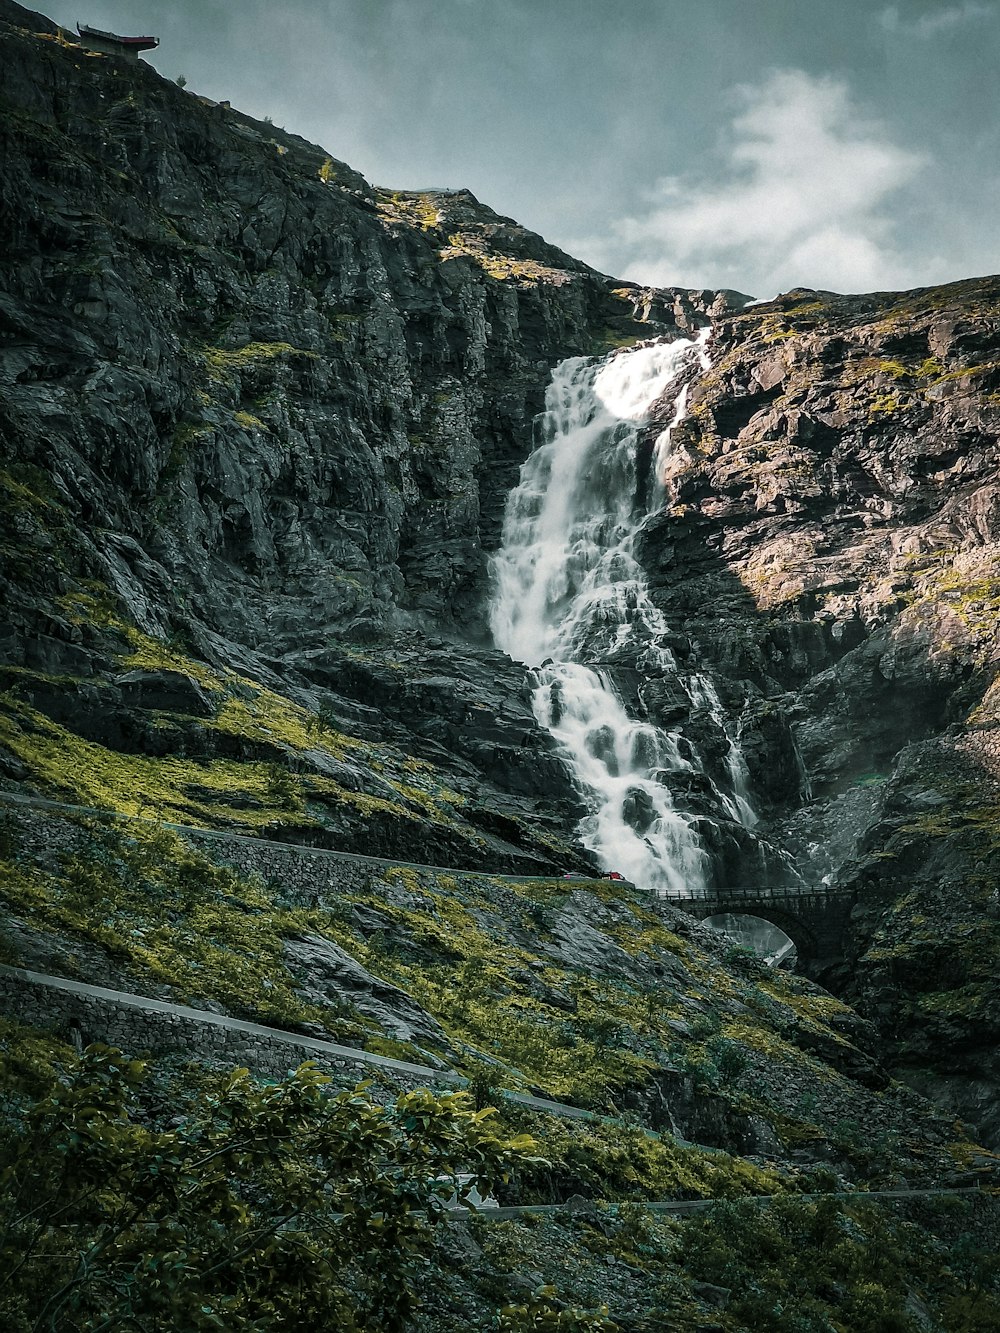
pixel 703 693
pixel 569 590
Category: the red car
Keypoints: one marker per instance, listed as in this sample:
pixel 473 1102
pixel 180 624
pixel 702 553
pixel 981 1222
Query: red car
pixel 611 874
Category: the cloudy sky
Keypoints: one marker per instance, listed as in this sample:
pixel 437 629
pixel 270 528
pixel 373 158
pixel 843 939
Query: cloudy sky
pixel 755 144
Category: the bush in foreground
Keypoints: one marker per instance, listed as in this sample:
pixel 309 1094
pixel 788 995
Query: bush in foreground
pixel 266 1207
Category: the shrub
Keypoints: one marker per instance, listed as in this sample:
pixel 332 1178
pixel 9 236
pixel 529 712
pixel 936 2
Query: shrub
pixel 265 1208
pixel 539 1316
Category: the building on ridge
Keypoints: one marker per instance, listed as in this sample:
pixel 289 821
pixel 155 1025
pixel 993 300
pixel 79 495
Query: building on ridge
pixel 110 44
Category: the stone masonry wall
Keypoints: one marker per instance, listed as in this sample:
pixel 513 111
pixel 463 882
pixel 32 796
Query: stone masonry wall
pixel 304 876
pixel 81 1013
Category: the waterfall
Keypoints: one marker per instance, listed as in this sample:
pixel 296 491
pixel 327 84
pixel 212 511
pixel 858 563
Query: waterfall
pixel 570 600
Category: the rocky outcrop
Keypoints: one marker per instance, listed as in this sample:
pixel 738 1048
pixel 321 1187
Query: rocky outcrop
pixel 835 500
pixel 831 545
pixel 258 422
pixel 329 975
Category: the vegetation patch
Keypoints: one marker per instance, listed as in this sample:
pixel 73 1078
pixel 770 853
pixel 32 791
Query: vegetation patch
pixel 171 918
pixel 957 599
pixel 251 793
pixel 227 1202
pixel 415 209
pixel 223 362
pixel 885 404
pixel 497 265
pixel 263 1207
pixel 802 1267
pixel 617 1161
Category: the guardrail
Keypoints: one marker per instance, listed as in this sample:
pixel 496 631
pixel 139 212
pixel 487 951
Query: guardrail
pixel 222 1029
pixel 735 893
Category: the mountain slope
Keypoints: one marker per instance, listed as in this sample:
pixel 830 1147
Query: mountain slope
pixel 831 544
pixel 259 415
pixel 259 421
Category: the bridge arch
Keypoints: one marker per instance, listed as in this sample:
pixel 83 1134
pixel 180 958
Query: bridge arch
pixel 815 920
pixel 785 923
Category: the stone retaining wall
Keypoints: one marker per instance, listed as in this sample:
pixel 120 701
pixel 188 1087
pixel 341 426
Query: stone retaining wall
pixel 81 1013
pixel 302 876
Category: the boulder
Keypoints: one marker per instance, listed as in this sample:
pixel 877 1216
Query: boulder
pixel 328 974
pixel 165 691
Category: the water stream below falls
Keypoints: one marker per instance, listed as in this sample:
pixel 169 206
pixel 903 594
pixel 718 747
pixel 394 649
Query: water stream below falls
pixel 570 600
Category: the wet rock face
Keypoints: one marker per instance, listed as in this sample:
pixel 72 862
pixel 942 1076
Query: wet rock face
pixel 831 546
pixel 267 417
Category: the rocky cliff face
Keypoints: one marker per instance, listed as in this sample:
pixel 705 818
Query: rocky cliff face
pixel 831 545
pixel 258 413
pixel 258 422
pixel 303 398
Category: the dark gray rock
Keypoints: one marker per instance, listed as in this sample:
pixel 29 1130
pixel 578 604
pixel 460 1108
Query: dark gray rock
pixel 328 974
pixel 171 691
pixel 710 1294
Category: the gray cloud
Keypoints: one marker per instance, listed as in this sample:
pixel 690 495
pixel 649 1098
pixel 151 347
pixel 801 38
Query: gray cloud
pixel 937 21
pixel 800 197
pixel 653 130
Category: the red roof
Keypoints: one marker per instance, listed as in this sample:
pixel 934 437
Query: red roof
pixel 144 43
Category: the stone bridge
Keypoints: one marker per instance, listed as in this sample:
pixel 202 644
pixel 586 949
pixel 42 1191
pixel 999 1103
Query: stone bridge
pixel 815 920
